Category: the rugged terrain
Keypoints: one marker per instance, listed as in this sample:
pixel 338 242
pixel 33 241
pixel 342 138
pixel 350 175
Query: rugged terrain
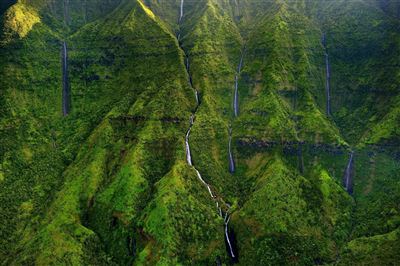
pixel 199 132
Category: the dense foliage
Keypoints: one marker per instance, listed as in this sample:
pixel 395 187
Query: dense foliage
pixel 108 184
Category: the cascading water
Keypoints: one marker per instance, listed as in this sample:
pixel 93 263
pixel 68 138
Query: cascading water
pixel 65 91
pixel 231 161
pixel 328 77
pixel 188 156
pixel 187 147
pixel 181 12
pixel 196 92
pixel 347 179
pixel 236 93
pixel 227 236
pixel 236 97
pixel 235 111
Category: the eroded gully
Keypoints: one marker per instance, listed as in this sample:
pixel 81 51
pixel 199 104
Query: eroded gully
pixel 235 112
pixel 348 174
pixel 226 215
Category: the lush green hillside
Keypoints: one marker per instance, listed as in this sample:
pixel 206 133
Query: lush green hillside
pixel 109 183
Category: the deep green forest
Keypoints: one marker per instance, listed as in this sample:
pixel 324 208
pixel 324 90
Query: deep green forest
pixel 200 132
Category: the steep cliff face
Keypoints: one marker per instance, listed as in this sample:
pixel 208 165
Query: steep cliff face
pixel 97 97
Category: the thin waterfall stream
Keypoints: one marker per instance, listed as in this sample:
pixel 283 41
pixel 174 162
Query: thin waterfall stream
pixel 64 62
pixel 196 92
pixel 188 156
pixel 226 221
pixel 236 92
pixel 65 91
pixel 231 160
pixel 181 12
pixel 188 152
pixel 348 174
pixel 235 111
pixel 328 77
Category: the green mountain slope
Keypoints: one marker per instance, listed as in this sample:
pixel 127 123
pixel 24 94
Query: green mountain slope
pixel 272 139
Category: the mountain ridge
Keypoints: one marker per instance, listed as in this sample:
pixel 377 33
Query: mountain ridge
pixel 108 183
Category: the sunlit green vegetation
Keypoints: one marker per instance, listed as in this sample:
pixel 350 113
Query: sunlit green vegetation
pixel 109 185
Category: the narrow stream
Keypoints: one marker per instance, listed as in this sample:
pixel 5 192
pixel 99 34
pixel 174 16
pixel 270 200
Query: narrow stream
pixel 187 147
pixel 236 93
pixel 235 111
pixel 181 12
pixel 196 92
pixel 348 175
pixel 226 221
pixel 65 91
pixel 328 77
pixel 231 161
pixel 188 157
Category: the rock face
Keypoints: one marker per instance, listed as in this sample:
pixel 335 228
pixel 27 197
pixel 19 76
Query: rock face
pixel 200 132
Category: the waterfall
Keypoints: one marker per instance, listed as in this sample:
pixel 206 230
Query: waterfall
pixel 199 176
pixel 236 97
pixel 181 13
pixel 348 174
pixel 328 78
pixel 231 161
pixel 236 93
pixel 240 63
pixel 187 145
pixel 226 221
pixel 228 240
pixel 188 156
pixel 328 89
pixel 196 92
pixel 219 209
pixel 65 91
pixel 204 183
